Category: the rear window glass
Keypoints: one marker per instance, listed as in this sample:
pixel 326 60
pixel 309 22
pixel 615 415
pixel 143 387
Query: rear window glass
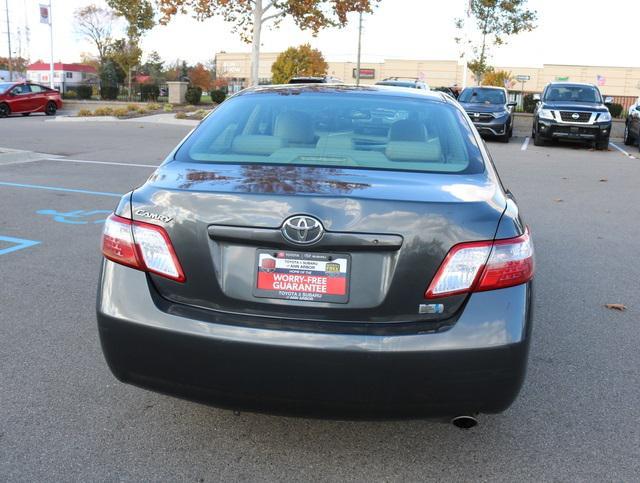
pixel 336 129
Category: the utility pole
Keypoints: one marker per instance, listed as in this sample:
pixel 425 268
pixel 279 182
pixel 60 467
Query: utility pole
pixel 359 50
pixel 465 46
pixel 51 51
pixel 6 6
pixel 27 30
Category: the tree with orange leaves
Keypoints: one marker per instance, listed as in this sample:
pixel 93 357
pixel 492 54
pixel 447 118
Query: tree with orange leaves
pixel 200 77
pixel 249 16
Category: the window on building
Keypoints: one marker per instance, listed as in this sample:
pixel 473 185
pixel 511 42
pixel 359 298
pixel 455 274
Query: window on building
pixel 69 75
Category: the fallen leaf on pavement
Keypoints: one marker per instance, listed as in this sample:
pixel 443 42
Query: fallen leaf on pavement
pixel 603 180
pixel 620 307
pixel 558 200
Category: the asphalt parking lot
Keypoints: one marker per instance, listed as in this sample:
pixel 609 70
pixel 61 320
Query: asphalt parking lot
pixel 64 416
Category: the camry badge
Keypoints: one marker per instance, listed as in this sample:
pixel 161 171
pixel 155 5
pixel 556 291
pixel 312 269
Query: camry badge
pixel 154 216
pixel 303 230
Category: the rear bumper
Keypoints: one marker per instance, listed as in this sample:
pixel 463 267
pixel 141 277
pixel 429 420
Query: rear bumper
pixel 598 132
pixel 478 365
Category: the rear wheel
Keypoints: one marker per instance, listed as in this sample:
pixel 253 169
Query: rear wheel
pixel 628 139
pixel 50 109
pixel 5 110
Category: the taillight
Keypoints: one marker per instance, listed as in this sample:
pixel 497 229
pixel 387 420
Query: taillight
pixel 142 246
pixel 481 266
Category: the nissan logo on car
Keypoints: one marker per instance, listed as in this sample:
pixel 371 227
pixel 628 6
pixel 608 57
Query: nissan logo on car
pixel 575 115
pixel 302 230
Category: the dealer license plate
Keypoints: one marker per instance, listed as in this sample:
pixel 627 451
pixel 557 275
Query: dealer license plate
pixel 305 276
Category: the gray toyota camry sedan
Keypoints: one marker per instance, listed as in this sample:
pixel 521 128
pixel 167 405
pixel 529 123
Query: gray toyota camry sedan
pixel 325 250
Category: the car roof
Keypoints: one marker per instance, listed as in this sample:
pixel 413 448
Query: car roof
pixel 364 90
pixel 498 88
pixel 402 83
pixel 570 84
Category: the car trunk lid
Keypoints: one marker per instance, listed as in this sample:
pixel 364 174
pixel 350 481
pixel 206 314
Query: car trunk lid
pixel 386 234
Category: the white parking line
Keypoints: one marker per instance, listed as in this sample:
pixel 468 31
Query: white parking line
pixel 629 155
pixel 525 144
pixel 86 161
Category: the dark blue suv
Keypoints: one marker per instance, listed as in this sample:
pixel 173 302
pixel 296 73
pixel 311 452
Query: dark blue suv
pixel 490 111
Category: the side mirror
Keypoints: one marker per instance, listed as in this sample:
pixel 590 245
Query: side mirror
pixel 512 104
pixel 12 93
pixel 608 100
pixel 536 97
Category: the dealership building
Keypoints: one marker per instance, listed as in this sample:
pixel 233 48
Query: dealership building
pixel 65 76
pixel 622 83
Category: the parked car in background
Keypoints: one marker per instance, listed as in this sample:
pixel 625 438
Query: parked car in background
pixel 323 249
pixel 632 125
pixel 489 109
pixel 25 98
pixel 447 90
pixel 410 82
pixel 325 79
pixel 572 111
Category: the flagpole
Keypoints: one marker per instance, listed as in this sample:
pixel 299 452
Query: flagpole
pixel 51 47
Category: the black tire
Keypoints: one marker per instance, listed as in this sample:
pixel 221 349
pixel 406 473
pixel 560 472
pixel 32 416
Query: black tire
pixel 5 110
pixel 628 139
pixel 51 109
pixel 538 141
pixel 511 131
pixel 602 145
pixel 25 114
pixel 504 138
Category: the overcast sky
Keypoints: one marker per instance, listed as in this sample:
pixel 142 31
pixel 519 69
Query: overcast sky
pixel 569 32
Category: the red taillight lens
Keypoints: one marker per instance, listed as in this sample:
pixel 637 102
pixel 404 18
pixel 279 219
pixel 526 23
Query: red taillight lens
pixel 117 242
pixel 481 266
pixel 511 263
pixel 140 245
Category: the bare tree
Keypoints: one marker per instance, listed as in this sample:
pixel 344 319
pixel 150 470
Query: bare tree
pixel 94 23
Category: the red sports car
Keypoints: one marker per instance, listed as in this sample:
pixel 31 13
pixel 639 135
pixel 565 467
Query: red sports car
pixel 25 98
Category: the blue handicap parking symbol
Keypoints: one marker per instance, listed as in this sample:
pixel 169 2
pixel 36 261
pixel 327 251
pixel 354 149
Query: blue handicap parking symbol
pixel 16 244
pixel 77 217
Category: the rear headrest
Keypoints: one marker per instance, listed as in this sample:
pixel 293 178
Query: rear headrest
pixel 295 127
pixel 256 144
pixel 408 130
pixel 414 151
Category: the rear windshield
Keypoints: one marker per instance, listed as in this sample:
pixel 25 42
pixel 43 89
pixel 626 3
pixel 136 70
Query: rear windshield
pixel 572 94
pixel 482 96
pixel 336 129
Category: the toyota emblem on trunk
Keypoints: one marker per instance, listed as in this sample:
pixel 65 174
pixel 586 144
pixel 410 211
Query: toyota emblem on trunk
pixel 303 230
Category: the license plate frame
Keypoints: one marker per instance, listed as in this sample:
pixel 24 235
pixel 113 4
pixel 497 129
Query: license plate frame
pixel 302 276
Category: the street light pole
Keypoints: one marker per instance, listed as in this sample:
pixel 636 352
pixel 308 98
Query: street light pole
pixel 6 6
pixel 359 50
